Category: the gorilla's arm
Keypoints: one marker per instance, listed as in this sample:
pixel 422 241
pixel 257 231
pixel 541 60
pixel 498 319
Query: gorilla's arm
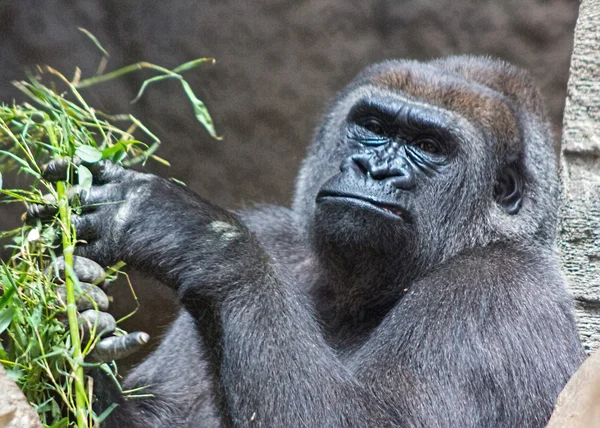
pixel 268 354
pixel 273 365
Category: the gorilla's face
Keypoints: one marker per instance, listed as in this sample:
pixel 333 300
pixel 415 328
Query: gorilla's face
pixel 399 174
pixel 398 157
pixel 397 163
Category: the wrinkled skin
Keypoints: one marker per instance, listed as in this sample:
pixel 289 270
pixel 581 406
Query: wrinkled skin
pixel 413 283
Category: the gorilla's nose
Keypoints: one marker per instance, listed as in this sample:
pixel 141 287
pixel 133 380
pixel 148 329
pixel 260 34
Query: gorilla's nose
pixel 381 169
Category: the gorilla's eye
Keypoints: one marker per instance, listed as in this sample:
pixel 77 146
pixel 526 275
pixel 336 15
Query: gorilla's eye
pixel 374 125
pixel 428 146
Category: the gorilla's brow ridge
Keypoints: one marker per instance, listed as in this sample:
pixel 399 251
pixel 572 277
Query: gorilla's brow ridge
pixel 476 102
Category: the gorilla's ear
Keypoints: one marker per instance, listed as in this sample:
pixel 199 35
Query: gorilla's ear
pixel 509 189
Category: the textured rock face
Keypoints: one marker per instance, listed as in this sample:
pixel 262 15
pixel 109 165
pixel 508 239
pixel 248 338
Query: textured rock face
pixel 278 64
pixel 15 411
pixel 580 217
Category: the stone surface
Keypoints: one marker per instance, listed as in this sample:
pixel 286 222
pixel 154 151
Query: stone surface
pixel 15 411
pixel 578 405
pixel 580 216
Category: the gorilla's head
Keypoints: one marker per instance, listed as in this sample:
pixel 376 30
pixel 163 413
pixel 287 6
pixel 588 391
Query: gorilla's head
pixel 418 161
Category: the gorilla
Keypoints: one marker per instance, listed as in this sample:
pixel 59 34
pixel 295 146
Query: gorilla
pixel 413 283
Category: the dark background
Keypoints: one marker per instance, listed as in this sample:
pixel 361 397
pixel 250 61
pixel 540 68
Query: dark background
pixel 278 64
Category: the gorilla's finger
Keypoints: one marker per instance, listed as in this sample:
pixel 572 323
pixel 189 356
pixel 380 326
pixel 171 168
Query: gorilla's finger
pixel 56 169
pixel 118 347
pixel 106 171
pixel 38 211
pixel 103 171
pixel 91 297
pixel 86 270
pixel 86 227
pixel 49 210
pixel 102 323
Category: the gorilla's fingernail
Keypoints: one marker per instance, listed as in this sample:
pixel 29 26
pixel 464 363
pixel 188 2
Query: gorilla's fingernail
pixel 143 338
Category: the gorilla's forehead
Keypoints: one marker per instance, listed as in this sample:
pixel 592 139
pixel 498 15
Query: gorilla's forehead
pixel 473 100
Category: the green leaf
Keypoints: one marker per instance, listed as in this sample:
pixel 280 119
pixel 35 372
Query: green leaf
pixel 9 280
pixel 119 156
pixel 3 354
pixel 118 152
pixel 152 80
pixel 104 415
pixel 94 40
pixel 109 151
pixel 57 413
pixel 88 154
pixel 64 422
pixel 191 64
pixel 200 110
pixel 49 234
pixel 7 296
pixel 6 316
pixel 85 177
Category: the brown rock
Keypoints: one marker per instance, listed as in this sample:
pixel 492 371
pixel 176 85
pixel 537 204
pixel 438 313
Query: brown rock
pixel 15 411
pixel 578 405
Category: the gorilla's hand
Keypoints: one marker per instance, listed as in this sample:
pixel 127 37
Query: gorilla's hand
pixel 92 304
pixel 159 227
pixel 106 209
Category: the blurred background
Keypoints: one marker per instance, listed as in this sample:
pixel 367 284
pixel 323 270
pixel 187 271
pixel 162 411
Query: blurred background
pixel 278 64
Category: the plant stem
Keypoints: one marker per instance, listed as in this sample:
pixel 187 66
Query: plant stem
pixel 67 247
pixel 122 71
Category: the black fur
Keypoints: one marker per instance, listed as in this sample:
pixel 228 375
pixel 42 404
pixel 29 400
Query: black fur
pixel 415 282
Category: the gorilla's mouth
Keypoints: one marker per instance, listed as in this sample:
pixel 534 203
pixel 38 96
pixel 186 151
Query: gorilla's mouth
pixel 365 201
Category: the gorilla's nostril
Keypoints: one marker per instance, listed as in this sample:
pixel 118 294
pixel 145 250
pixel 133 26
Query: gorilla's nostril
pixel 380 171
pixel 376 167
pixel 362 163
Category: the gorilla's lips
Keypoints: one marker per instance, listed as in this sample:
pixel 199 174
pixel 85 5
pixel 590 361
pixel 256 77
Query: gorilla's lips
pixel 366 201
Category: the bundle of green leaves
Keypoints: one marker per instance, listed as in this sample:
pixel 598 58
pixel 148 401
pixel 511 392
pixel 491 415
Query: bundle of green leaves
pixel 41 346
